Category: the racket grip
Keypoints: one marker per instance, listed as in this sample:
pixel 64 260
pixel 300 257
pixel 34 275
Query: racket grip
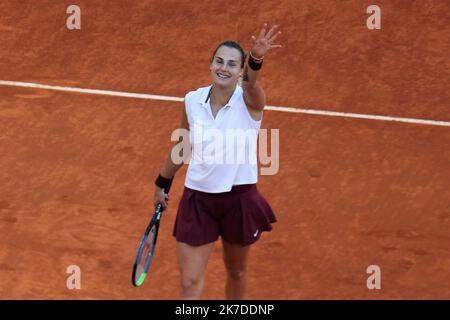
pixel 159 207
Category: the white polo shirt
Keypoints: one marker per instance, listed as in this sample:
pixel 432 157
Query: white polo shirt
pixel 223 148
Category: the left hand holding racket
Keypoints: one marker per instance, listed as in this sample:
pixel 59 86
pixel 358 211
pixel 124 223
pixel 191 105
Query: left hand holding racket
pixel 147 246
pixel 161 197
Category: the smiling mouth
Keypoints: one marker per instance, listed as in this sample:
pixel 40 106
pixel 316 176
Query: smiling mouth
pixel 222 76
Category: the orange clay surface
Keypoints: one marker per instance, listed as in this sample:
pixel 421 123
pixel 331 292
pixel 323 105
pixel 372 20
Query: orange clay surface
pixel 77 170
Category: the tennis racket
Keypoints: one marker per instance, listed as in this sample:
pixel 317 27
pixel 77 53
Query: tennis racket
pixel 146 248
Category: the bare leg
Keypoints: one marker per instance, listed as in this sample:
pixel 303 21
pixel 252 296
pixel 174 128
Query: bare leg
pixel 235 259
pixel 192 261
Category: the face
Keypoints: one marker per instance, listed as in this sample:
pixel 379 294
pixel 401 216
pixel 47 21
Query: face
pixel 226 67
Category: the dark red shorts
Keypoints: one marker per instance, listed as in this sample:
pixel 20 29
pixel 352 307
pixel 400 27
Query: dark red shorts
pixel 239 216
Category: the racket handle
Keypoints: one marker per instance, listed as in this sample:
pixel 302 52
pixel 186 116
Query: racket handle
pixel 159 207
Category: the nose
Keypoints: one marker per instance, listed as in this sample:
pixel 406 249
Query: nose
pixel 223 67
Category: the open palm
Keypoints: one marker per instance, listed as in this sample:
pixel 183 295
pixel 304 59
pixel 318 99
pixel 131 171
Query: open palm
pixel 264 42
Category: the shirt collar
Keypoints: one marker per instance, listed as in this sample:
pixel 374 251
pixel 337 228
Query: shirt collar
pixel 206 96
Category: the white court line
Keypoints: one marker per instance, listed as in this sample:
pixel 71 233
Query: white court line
pixel 359 116
pixel 273 108
pixel 90 91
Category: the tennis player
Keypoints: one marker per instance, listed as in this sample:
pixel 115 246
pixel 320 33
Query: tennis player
pixel 220 198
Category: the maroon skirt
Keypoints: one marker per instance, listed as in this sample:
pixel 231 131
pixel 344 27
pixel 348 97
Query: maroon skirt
pixel 238 216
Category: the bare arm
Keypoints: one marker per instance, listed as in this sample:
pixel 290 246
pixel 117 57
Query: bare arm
pixel 254 95
pixel 170 168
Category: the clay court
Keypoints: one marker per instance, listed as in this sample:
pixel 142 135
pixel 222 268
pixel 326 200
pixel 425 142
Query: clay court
pixel 77 169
